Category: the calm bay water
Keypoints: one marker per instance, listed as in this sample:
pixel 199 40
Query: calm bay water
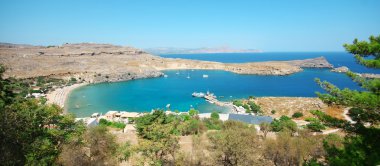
pixel 146 94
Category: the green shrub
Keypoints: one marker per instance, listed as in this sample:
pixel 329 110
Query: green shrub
pixel 193 112
pixel 310 119
pixel 247 108
pixel 329 120
pixel 284 123
pixel 297 115
pixel 237 103
pixel 215 115
pixel 119 125
pixel 192 126
pixel 355 113
pixel 184 117
pixel 254 107
pixel 213 124
pixel 315 126
pixel 273 111
pixel 104 122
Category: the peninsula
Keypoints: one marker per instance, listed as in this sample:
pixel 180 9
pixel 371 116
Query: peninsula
pixel 205 50
pixel 93 63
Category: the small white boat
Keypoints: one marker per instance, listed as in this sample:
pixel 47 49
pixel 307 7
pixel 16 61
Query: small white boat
pixel 177 73
pixel 200 94
pixel 165 76
pixel 205 76
pixel 188 76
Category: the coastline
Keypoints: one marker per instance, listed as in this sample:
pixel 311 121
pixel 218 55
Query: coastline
pixel 60 95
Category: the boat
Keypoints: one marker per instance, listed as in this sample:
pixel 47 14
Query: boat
pixel 165 76
pixel 210 95
pixel 188 76
pixel 177 73
pixel 205 76
pixel 200 94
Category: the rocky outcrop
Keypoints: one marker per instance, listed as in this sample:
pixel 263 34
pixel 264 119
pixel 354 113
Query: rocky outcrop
pixel 369 75
pixel 345 69
pixel 320 62
pixel 342 69
pixel 103 62
pixel 115 77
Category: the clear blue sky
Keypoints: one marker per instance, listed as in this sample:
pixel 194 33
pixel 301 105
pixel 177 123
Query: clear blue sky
pixel 270 25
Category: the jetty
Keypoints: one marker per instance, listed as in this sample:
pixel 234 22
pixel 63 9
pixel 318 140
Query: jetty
pixel 211 98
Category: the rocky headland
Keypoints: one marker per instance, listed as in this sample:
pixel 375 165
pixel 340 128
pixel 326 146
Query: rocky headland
pixel 344 69
pixel 103 62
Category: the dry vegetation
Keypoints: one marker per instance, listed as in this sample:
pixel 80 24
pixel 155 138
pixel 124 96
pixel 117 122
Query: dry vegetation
pixel 289 105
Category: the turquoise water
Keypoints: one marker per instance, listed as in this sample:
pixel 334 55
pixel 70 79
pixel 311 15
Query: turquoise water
pixel 145 94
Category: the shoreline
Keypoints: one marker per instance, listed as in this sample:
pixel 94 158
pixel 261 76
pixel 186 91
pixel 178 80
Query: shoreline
pixel 59 96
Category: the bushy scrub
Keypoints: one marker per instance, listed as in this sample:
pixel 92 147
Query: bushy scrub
pixel 215 115
pixel 316 125
pixel 237 103
pixel 273 111
pixel 193 112
pixel 329 120
pixel 254 107
pixel 284 123
pixel 190 127
pixel 297 115
pixel 213 124
pixel 119 125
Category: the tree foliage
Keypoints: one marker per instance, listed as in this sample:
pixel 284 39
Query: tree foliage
pixel 290 150
pixel 157 140
pixel 365 49
pixel 265 127
pixel 361 145
pixel 95 147
pixel 235 144
pixel 215 115
pixel 31 132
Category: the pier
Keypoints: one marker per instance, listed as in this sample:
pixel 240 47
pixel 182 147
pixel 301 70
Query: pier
pixel 211 98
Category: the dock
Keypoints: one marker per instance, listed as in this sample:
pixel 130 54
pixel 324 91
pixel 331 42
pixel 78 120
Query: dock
pixel 211 98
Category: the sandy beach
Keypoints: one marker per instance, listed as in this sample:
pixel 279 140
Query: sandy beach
pixel 60 95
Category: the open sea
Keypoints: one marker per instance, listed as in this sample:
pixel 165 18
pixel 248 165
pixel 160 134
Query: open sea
pixel 143 95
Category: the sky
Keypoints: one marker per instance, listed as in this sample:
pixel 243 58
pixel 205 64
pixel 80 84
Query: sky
pixel 268 25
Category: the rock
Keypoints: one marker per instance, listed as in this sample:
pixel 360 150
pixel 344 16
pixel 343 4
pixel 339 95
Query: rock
pixel 320 62
pixel 342 69
pixel 369 75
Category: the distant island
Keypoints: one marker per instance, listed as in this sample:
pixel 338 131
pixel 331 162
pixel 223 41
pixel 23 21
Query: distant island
pixel 205 50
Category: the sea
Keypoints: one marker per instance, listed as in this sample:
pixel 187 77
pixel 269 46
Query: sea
pixel 174 91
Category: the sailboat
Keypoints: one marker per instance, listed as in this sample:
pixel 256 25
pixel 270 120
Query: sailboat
pixel 188 76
